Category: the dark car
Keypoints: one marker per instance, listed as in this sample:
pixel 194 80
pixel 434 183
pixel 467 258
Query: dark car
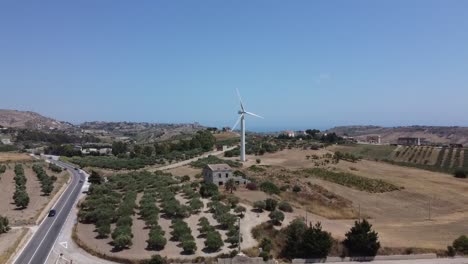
pixel 52 213
pixel 76 168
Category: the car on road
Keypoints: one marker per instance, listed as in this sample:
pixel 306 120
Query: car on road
pixel 52 213
pixel 76 168
pixel 81 181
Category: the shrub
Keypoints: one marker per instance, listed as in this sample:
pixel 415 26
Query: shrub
pixel 240 210
pixel 460 174
pixel 213 241
pixel 451 251
pixel 156 259
pixel 285 207
pixel 122 241
pixel 296 189
pixel 276 217
pixel 306 242
pixel 269 187
pixel 266 244
pixel 461 244
pixel 185 178
pixel 251 186
pixel 258 161
pixel 196 204
pixel 270 204
pixel 156 239
pixel 232 200
pixel 189 246
pixel 208 190
pixel 4 225
pixel 361 240
pixel 259 205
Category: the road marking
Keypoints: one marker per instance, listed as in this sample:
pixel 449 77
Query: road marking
pixel 64 244
pixel 71 210
pixel 53 222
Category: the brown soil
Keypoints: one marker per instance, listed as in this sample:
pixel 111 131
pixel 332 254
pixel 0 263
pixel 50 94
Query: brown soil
pixel 36 200
pixel 14 157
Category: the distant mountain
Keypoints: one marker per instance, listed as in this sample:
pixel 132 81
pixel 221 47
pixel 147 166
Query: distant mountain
pixel 30 120
pixel 435 134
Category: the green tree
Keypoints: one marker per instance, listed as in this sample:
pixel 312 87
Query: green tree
pixel 461 244
pixel 316 242
pixel 240 210
pixel 259 205
pixel 196 204
pixel 95 178
pixel 189 246
pixel 119 147
pixel 231 185
pixel 21 199
pixel 293 244
pixel 156 259
pixel 156 240
pixel 232 201
pixel 213 241
pixel 148 151
pixel 122 241
pixel 104 230
pixel 4 225
pixel 208 190
pixel 270 204
pixel 296 188
pixel 285 207
pixel 276 217
pixel 361 240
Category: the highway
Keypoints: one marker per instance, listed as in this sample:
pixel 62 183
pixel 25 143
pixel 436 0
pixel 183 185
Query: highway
pixel 42 241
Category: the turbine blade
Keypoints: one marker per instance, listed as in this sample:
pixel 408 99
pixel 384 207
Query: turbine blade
pixel 237 122
pixel 240 100
pixel 252 114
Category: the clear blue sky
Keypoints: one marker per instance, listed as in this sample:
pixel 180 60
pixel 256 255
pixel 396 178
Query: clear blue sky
pixel 298 63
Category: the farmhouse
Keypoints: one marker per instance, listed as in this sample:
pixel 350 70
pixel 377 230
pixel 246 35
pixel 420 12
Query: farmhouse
pixel 409 141
pixel 219 174
pixel 373 139
pixel 288 133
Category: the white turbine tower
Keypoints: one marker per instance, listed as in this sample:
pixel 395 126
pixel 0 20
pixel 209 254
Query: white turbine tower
pixel 242 114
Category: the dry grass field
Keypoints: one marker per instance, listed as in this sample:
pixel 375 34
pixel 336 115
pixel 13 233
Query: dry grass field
pixel 37 200
pixel 9 243
pixel 14 157
pixel 401 217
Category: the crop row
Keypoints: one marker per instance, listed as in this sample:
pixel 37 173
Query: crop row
pixel 448 159
pixel 20 196
pixel 55 168
pixel 353 181
pixel 47 183
pixel 440 157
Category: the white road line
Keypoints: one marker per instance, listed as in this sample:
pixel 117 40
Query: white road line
pixel 55 219
pixel 43 220
pixel 68 215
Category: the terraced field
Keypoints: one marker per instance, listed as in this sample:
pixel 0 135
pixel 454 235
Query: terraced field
pixel 444 159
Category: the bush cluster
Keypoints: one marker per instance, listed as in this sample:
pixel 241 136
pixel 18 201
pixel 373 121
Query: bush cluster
pixel 47 183
pixel 122 234
pixel 269 187
pixel 2 169
pixel 181 232
pixel 55 168
pixel 4 225
pixel 203 162
pixel 20 196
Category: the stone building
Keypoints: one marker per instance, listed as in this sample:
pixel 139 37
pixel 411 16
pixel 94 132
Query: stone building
pixel 219 174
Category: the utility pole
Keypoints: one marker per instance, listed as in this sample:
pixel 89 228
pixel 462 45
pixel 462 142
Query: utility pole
pixel 359 213
pixel 240 236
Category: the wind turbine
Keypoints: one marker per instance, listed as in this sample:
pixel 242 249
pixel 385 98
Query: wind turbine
pixel 241 118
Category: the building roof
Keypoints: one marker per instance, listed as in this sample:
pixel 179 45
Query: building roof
pixel 218 167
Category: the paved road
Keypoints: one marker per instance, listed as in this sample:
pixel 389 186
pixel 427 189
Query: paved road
pixel 39 246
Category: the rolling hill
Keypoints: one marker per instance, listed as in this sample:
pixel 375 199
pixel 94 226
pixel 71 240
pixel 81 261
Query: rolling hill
pixel 435 134
pixel 30 120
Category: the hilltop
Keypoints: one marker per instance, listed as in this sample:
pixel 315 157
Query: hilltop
pixel 30 120
pixel 436 134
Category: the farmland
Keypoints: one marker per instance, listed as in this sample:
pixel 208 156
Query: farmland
pixel 24 193
pixel 158 213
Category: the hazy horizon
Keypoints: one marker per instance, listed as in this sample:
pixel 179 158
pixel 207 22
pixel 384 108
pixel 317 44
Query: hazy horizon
pixel 303 64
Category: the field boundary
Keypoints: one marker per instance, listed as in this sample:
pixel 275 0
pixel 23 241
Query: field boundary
pixel 18 245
